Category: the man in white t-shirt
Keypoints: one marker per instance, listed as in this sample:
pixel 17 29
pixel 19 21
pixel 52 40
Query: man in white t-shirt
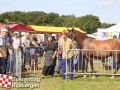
pixel 3 50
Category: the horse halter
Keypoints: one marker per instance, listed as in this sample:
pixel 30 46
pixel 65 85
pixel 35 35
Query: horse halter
pixel 72 36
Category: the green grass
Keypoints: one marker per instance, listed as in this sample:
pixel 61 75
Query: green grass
pixel 78 83
pixel 100 83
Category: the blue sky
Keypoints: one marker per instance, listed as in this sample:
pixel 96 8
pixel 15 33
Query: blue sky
pixel 107 10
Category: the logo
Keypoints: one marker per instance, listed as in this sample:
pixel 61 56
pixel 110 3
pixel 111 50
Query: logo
pixel 5 81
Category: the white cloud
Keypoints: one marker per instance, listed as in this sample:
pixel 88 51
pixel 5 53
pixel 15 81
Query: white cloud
pixel 107 3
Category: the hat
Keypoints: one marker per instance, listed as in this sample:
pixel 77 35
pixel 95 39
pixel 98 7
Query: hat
pixel 4 30
pixel 16 32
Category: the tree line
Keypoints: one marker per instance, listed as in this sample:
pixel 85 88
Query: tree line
pixel 88 23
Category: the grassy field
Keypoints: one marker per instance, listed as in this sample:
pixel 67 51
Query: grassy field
pixel 78 83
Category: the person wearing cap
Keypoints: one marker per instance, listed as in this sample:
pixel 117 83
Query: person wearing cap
pixel 3 50
pixel 16 41
pixel 16 45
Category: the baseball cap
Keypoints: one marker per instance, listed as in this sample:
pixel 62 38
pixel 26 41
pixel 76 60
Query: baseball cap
pixel 4 30
pixel 16 32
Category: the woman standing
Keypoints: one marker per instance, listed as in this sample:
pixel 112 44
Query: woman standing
pixel 49 57
pixel 16 41
pixel 16 55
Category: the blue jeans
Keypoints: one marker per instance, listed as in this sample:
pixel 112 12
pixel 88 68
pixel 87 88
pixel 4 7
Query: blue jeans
pixel 4 65
pixel 59 63
pixel 114 64
pixel 8 64
pixel 59 66
pixel 70 67
pixel 9 61
pixel 26 56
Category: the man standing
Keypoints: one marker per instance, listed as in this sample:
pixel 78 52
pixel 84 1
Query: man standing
pixel 114 63
pixel 3 50
pixel 66 44
pixel 59 55
pixel 10 51
pixel 26 49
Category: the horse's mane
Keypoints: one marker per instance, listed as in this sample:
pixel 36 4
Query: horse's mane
pixel 83 35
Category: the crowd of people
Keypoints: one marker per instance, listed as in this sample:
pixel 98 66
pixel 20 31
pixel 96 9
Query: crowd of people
pixel 27 44
pixel 31 48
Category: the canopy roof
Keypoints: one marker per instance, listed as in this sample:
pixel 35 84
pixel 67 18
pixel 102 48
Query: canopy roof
pixel 49 29
pixel 17 27
pixel 117 26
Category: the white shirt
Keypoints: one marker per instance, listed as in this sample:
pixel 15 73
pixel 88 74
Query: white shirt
pixel 16 43
pixel 25 40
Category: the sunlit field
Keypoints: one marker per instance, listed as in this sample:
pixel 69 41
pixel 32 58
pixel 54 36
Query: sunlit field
pixel 78 83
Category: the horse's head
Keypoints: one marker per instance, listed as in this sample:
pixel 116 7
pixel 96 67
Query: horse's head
pixel 71 34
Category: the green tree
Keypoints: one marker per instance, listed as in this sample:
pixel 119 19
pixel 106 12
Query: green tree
pixel 89 23
pixel 52 19
pixel 4 18
pixel 106 25
pixel 36 18
pixel 69 21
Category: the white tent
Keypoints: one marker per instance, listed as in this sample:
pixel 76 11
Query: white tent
pixel 104 34
pixel 109 32
pixel 117 26
pixel 93 35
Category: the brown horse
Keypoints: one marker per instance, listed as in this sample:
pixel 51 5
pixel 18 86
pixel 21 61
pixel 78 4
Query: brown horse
pixel 96 48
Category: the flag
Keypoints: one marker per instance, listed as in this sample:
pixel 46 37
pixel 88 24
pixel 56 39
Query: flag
pixel 5 81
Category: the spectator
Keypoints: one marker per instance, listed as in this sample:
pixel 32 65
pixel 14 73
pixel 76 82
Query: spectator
pixel 10 51
pixel 25 49
pixel 76 57
pixel 17 47
pixel 33 52
pixel 114 36
pixel 59 60
pixel 3 50
pixel 114 63
pixel 16 41
pixel 50 57
pixel 59 55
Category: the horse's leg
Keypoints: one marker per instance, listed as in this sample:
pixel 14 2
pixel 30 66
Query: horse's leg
pixel 92 68
pixel 86 66
pixel 116 69
pixel 91 64
pixel 83 64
